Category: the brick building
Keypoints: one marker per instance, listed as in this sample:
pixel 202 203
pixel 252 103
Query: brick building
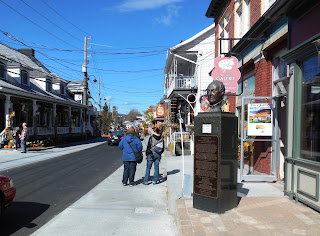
pixel 277 45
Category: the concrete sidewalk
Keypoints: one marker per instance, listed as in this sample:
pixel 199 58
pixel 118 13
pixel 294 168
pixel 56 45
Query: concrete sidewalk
pixel 113 209
pixel 11 159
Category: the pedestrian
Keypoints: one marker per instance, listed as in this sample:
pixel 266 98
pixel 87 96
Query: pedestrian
pixel 154 150
pixel 16 137
pixel 24 137
pixel 128 157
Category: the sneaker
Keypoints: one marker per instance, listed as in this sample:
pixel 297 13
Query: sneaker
pixel 131 185
pixel 15 150
pixel 124 184
pixel 156 182
pixel 146 183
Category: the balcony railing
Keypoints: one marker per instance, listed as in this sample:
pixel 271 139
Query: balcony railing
pixel 62 130
pixel 76 130
pixel 181 82
pixel 45 130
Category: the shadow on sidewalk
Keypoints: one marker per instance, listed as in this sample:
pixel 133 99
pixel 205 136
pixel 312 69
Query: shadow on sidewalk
pixel 21 215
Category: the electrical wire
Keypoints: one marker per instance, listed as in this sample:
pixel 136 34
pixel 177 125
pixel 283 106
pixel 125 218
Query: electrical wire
pixel 50 21
pixel 36 23
pixel 64 18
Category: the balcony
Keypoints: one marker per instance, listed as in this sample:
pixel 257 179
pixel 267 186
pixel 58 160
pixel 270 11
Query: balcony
pixel 181 82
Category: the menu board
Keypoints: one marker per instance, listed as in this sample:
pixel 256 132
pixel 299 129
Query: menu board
pixel 206 165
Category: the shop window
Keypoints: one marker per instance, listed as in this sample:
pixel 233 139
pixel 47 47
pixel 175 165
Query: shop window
pixel 310 110
pixel 3 71
pixel 24 77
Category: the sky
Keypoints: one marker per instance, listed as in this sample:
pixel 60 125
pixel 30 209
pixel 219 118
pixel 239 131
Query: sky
pixel 127 49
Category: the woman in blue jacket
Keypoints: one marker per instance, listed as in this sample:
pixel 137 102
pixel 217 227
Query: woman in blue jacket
pixel 128 157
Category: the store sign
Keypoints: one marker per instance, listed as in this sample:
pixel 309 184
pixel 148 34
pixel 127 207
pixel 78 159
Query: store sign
pixel 204 104
pixel 259 119
pixel 160 110
pixel 226 70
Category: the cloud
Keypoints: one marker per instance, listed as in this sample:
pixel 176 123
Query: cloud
pixel 126 103
pixel 172 13
pixel 140 5
pixel 108 98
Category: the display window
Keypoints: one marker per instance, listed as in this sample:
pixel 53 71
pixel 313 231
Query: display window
pixel 310 110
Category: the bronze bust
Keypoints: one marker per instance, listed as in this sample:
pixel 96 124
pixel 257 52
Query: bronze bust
pixel 215 93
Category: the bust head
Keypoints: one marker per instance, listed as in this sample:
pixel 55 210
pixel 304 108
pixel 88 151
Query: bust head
pixel 215 92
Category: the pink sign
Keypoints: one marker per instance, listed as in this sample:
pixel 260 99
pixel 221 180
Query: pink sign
pixel 226 70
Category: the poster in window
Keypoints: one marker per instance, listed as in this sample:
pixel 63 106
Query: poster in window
pixel 259 119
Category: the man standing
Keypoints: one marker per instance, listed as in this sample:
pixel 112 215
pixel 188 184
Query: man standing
pixel 23 137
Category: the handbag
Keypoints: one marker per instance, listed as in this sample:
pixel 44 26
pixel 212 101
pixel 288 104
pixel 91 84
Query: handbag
pixel 138 155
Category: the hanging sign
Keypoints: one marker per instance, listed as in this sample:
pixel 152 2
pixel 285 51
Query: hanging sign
pixel 160 110
pixel 204 104
pixel 226 70
pixel 259 119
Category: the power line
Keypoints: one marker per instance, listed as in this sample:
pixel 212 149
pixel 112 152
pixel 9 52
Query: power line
pixel 50 21
pixel 35 23
pixel 64 17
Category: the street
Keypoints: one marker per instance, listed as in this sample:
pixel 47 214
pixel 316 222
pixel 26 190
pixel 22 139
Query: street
pixel 46 188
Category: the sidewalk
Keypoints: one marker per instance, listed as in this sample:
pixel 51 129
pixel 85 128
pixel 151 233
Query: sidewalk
pixel 11 159
pixel 113 209
pixel 262 210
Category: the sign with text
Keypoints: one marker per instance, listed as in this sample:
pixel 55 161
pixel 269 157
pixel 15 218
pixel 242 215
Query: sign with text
pixel 160 110
pixel 259 119
pixel 226 70
pixel 206 166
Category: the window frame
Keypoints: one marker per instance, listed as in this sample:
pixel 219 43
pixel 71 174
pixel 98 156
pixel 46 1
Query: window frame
pixel 4 70
pixel 22 74
pixel 49 88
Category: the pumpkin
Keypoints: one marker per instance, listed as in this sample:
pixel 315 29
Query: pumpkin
pixel 5 146
pixel 9 146
pixel 35 145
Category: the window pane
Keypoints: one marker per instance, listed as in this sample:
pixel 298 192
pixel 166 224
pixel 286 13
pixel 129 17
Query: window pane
pixel 310 117
pixel 24 77
pixel 2 71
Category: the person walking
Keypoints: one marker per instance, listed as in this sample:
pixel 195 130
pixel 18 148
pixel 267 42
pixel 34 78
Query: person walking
pixel 23 137
pixel 128 157
pixel 154 150
pixel 16 137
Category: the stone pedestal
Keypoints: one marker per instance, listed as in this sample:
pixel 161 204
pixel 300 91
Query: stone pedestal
pixel 215 162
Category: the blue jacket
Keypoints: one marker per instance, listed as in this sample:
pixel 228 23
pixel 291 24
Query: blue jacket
pixel 136 144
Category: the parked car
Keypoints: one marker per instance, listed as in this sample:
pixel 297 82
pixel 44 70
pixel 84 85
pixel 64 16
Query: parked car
pixel 7 192
pixel 115 137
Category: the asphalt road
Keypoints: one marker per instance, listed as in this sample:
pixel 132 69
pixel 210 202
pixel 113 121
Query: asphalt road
pixel 46 188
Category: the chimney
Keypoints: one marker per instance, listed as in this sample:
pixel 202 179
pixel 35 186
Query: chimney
pixel 27 51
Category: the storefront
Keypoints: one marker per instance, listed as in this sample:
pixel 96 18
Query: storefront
pixel 302 164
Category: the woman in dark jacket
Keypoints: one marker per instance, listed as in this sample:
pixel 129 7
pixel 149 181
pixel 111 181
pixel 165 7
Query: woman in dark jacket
pixel 128 157
pixel 154 150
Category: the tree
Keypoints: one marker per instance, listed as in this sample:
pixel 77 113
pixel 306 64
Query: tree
pixel 133 115
pixel 150 113
pixel 106 119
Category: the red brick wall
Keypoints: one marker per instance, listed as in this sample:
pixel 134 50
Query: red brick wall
pixel 263 78
pixel 255 11
pixel 263 87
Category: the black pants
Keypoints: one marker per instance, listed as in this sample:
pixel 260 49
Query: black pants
pixel 129 171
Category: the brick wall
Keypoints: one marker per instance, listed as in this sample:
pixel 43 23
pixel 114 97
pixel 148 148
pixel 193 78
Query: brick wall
pixel 263 87
pixel 255 11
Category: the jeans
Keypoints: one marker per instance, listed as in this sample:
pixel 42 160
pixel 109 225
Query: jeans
pixel 129 171
pixel 17 143
pixel 23 145
pixel 150 161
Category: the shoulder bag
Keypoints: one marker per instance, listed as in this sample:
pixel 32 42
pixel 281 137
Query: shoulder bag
pixel 138 155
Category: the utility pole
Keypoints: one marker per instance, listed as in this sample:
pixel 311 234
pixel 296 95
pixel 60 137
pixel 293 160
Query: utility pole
pixel 99 95
pixel 84 70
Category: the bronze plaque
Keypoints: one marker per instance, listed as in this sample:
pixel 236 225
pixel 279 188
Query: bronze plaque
pixel 206 165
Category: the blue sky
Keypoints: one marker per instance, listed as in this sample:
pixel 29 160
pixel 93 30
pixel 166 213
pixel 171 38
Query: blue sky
pixel 130 39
